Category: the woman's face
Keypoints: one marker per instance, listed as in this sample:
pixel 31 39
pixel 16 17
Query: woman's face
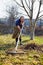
pixel 22 20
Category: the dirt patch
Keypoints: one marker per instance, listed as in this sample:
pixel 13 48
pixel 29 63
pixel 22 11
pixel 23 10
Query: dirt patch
pixel 34 47
pixel 24 48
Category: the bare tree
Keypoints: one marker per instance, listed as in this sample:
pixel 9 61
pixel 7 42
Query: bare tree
pixel 28 6
pixel 13 14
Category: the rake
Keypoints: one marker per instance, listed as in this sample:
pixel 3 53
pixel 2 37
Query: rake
pixel 19 37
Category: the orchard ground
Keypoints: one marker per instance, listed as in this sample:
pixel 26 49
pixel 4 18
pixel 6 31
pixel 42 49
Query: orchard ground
pixel 32 57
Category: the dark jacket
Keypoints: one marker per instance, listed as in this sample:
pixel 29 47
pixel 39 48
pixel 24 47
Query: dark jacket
pixel 18 23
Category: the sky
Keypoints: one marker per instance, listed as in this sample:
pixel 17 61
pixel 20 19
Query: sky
pixel 3 6
pixel 5 3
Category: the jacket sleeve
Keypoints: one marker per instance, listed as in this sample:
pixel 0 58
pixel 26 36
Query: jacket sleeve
pixel 17 23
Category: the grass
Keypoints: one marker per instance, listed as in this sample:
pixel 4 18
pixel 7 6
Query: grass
pixel 32 57
pixel 7 39
pixel 37 40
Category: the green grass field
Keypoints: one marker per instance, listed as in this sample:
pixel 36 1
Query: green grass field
pixel 33 57
pixel 7 39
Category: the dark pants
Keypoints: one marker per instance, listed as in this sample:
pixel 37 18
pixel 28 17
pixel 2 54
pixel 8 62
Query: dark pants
pixel 19 40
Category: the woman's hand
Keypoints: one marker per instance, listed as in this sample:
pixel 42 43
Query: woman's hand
pixel 18 27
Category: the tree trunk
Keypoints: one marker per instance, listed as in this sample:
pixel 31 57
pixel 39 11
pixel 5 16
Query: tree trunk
pixel 32 30
pixel 32 34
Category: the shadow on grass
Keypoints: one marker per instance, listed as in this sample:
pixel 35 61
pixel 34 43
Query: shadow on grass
pixel 6 46
pixel 25 41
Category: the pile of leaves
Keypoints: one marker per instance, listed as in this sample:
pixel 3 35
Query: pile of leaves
pixel 34 47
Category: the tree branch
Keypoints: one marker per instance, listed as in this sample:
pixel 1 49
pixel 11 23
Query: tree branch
pixel 27 5
pixel 32 9
pixel 40 16
pixel 38 12
pixel 24 8
pixel 18 3
pixel 41 11
pixel 31 23
pixel 8 11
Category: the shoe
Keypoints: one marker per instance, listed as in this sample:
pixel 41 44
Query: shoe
pixel 21 44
